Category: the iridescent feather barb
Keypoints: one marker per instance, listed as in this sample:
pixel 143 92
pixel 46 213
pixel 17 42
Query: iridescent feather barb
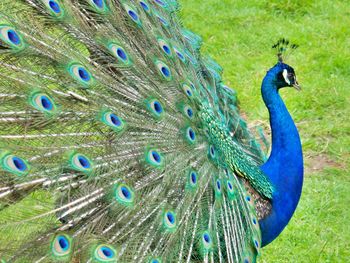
pixel 118 140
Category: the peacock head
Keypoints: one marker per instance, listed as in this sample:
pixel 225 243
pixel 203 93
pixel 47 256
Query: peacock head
pixel 286 76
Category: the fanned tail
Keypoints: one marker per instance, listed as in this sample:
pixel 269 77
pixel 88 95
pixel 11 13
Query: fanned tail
pixel 103 154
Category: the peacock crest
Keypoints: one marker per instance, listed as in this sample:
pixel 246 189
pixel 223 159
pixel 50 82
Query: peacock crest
pixel 284 48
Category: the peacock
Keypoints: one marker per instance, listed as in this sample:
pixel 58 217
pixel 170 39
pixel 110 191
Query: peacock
pixel 119 141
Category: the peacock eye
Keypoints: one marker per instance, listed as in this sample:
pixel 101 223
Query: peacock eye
pixel 218 185
pixel 132 14
pixel 255 223
pixel 55 8
pixel 43 102
pixel 120 53
pixel 124 194
pixel 169 220
pixel 218 188
pixel 212 151
pixel 162 20
pixel 206 238
pixel 160 3
pixel 61 246
pixel 164 46
pixel 187 90
pixel 230 189
pixel 155 260
pixel 192 180
pixel 190 135
pixel 179 54
pixel 99 5
pixel 82 163
pixel 81 74
pixel 15 165
pixel 156 108
pixel 113 121
pixel 188 111
pixel 163 70
pixel 206 241
pixel 105 253
pixel 154 158
pixel 145 6
pixel 11 37
pixel 291 76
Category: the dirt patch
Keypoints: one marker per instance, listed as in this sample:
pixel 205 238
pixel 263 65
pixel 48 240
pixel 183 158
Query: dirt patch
pixel 319 162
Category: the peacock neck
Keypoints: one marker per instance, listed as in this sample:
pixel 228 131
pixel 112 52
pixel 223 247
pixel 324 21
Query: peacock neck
pixel 284 168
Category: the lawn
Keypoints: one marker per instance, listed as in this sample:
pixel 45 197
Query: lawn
pixel 239 35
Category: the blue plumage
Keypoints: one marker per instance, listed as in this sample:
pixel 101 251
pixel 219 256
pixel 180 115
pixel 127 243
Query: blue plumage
pixel 284 168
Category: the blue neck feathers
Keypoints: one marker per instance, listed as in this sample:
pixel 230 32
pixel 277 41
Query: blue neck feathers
pixel 284 168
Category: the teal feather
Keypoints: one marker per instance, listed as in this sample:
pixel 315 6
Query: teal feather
pixel 122 138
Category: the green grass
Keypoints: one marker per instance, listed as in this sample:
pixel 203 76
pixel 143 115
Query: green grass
pixel 239 34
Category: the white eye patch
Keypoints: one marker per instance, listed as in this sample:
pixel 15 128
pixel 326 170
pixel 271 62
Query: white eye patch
pixel 285 76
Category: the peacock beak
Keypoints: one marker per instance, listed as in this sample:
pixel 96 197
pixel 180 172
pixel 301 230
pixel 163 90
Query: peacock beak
pixel 296 86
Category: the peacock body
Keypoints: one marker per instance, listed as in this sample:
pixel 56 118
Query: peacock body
pixel 120 143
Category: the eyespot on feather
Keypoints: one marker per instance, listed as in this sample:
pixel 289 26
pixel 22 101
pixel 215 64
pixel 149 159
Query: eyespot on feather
pixel 164 70
pixel 188 111
pixel 11 38
pixel 113 121
pixel 132 14
pixel 14 164
pixel 162 20
pixel 192 181
pixel 190 135
pixel 119 52
pixel 231 191
pixel 206 242
pixel 169 221
pixel 124 194
pixel 160 3
pixel 99 6
pixel 154 260
pixel 165 47
pixel 81 74
pixel 43 102
pixel 55 8
pixel 180 55
pixel 154 158
pixel 212 152
pixel 155 107
pixel 145 6
pixel 61 247
pixel 187 90
pixel 105 253
pixel 81 163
